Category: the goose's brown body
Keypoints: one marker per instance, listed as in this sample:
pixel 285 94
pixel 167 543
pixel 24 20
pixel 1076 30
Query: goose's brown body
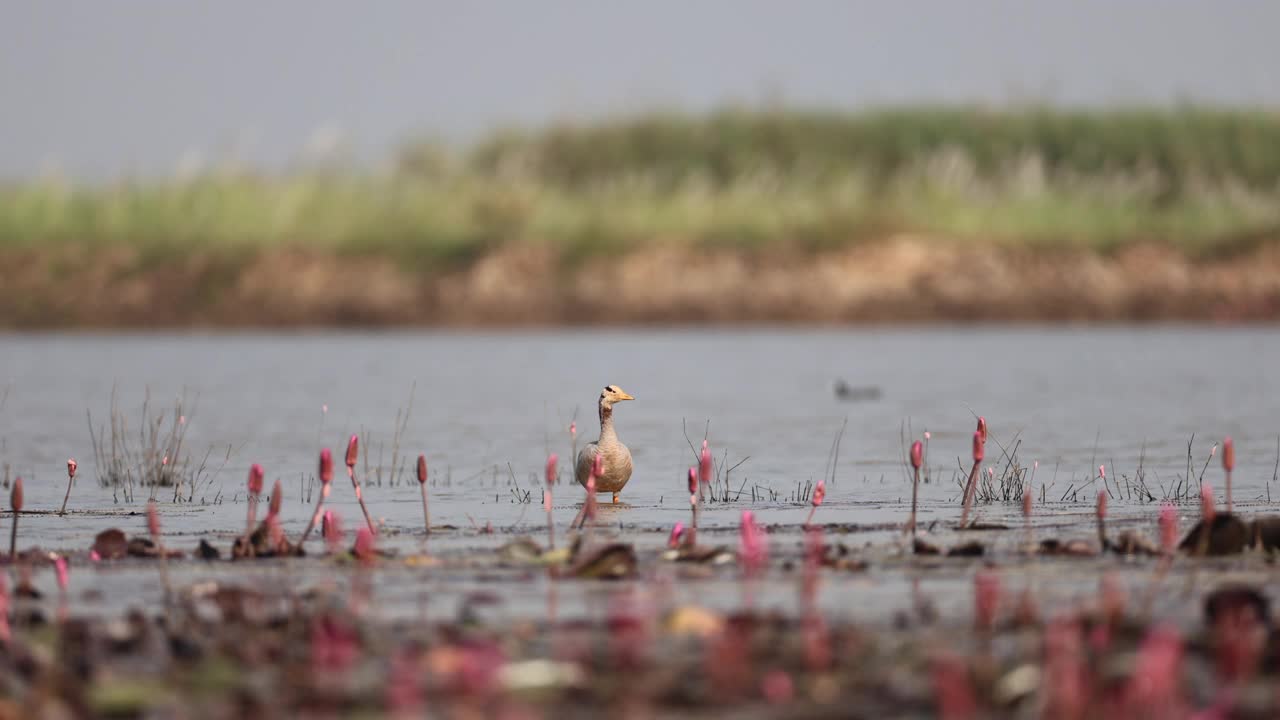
pixel 616 457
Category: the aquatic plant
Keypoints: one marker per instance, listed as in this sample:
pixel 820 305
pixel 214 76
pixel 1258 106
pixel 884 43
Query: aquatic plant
pixel 986 598
pixel 694 488
pixel 676 538
pixel 422 486
pixel 1100 512
pixel 753 545
pixel 153 528
pixel 154 456
pixel 917 460
pixel 1026 516
pixel 15 504
pixel 353 452
pixel 979 451
pixel 331 531
pixel 1207 514
pixel 253 487
pixel 819 494
pixel 550 473
pixel 704 470
pixel 325 472
pixel 1228 464
pixel 71 478
pixel 366 547
pixel 277 496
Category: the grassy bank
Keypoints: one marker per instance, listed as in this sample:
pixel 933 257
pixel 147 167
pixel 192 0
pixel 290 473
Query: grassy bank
pixel 1202 181
pixel 780 216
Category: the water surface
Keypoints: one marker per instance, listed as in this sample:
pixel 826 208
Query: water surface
pixel 488 407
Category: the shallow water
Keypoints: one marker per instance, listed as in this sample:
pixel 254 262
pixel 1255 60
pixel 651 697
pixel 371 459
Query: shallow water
pixel 488 407
pixel 483 401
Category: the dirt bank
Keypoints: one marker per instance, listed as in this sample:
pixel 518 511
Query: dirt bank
pixel 900 279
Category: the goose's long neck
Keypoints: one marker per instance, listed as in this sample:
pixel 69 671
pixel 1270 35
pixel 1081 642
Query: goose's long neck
pixel 607 434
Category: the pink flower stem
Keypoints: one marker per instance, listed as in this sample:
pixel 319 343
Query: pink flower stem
pixel 315 516
pixel 71 478
pixel 13 538
pixel 355 483
pixel 551 524
pixel 253 514
pixel 968 494
pixel 426 514
pixel 915 489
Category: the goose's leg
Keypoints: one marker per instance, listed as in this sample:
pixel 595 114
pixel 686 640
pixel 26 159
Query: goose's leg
pixel 615 498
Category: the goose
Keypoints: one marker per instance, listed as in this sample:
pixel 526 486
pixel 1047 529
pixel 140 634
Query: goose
pixel 616 456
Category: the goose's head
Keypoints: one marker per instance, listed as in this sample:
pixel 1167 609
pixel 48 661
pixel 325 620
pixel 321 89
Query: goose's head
pixel 612 394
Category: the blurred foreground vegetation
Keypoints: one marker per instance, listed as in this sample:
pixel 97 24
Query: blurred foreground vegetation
pixel 1205 181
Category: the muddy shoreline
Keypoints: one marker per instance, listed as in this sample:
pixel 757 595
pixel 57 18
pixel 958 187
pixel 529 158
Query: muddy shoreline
pixel 902 279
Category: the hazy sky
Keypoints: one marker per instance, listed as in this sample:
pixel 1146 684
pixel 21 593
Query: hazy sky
pixel 100 89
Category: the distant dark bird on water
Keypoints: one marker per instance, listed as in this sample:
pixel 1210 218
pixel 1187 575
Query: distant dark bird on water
pixel 850 393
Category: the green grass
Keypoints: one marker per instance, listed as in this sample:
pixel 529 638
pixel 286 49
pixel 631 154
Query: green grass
pixel 1201 180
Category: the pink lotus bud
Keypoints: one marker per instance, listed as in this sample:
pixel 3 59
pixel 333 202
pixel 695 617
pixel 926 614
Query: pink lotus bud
pixel 366 548
pixel 353 451
pixel 255 479
pixel 326 467
pixel 153 520
pixel 815 546
pixel 71 467
pixel 275 533
pixel 673 540
pixel 753 544
pixel 277 497
pixel 332 531
pixel 1207 510
pixel 819 493
pixel 597 466
pixel 953 688
pixel 552 472
pixel 165 460
pixel 182 419
pixel 917 454
pixel 982 429
pixel 927 436
pixel 986 598
pixel 704 464
pixel 1112 595
pixel 94 556
pixel 979 450
pixel 991 472
pixel 324 409
pixel 1026 501
pixel 422 469
pixel 15 495
pixel 1102 504
pixel 573 429
pixel 693 482
pixel 1168 528
pixel 777 687
pixel 1102 471
pixel 60 566
pixel 1155 680
pixel 1213 450
pixel 1228 454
